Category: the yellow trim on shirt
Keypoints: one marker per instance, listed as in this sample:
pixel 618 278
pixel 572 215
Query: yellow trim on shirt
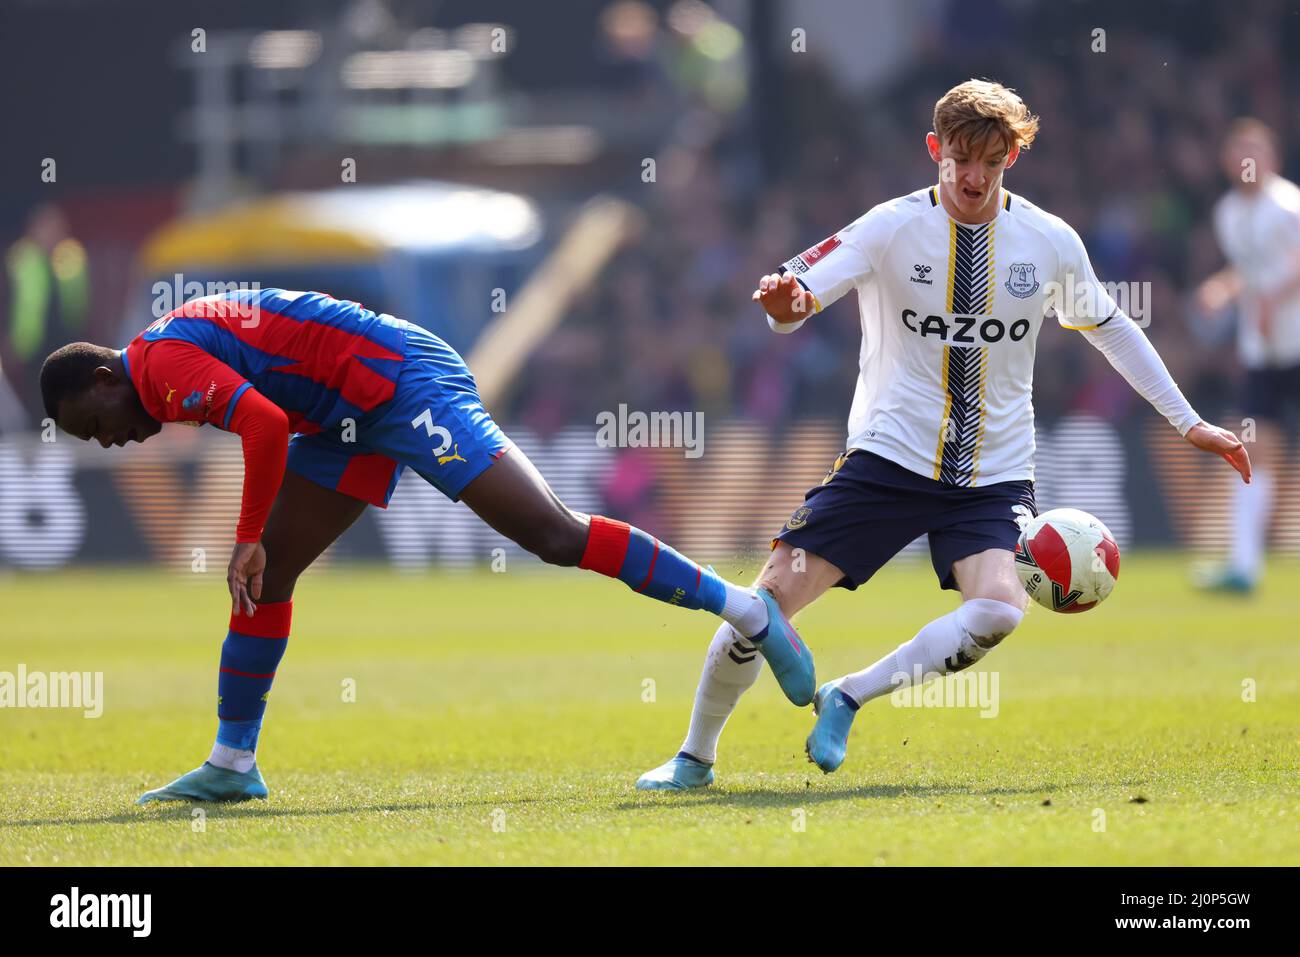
pixel 987 308
pixel 952 261
pixel 984 409
pixel 947 413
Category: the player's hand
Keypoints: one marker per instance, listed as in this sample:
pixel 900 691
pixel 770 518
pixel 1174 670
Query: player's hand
pixel 783 298
pixel 1215 294
pixel 244 576
pixel 1211 438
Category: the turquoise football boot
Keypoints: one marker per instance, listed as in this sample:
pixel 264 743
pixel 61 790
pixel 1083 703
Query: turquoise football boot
pixel 789 657
pixel 1223 580
pixel 682 773
pixel 829 741
pixel 211 783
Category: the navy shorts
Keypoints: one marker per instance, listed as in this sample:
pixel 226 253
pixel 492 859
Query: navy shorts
pixel 868 509
pixel 1272 393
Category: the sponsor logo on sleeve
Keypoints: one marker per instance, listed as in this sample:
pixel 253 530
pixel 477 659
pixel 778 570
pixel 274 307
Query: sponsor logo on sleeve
pixel 811 257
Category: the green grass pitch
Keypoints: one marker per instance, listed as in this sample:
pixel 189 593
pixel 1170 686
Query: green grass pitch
pixel 503 718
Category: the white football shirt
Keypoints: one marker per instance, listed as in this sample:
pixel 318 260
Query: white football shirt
pixel 1260 235
pixel 950 318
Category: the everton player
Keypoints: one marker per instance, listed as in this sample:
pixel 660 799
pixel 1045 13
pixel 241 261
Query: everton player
pixel 331 402
pixel 1257 224
pixel 953 283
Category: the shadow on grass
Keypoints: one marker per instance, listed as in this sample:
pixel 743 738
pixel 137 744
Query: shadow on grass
pixel 181 810
pixel 792 797
pixel 784 796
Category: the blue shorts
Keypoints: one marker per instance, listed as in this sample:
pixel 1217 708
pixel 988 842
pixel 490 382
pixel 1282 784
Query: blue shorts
pixel 434 424
pixel 868 509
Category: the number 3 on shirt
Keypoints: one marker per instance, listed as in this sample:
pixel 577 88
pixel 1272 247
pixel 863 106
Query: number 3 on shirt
pixel 443 436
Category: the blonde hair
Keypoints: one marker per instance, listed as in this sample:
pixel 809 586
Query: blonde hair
pixel 1253 128
pixel 981 111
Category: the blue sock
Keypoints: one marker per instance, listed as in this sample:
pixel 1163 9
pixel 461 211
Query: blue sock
pixel 250 656
pixel 648 566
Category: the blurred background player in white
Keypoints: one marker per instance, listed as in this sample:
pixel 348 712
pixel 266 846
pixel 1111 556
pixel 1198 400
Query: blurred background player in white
pixel 1257 223
pixel 954 283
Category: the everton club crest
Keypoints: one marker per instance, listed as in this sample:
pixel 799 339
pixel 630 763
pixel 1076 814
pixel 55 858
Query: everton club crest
pixel 1022 283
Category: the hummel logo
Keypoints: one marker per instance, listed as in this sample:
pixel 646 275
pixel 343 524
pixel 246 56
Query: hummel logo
pixel 839 702
pixel 921 272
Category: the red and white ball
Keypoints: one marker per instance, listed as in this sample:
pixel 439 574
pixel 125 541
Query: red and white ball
pixel 1067 560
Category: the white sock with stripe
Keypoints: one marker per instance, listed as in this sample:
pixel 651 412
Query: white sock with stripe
pixel 951 643
pixel 730 669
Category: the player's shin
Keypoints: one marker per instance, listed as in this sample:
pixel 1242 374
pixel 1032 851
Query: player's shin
pixel 249 658
pixel 1251 505
pixel 947 644
pixel 649 567
pixel 731 668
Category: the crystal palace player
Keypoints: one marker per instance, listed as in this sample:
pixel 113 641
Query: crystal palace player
pixel 953 284
pixel 331 402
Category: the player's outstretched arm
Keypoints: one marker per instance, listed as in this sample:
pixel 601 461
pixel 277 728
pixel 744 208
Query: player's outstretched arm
pixel 1130 352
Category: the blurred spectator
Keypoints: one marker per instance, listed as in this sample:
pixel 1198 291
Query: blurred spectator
pixel 1126 156
pixel 49 297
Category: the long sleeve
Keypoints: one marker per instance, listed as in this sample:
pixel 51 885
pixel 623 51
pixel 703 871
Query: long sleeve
pixel 264 429
pixel 1130 352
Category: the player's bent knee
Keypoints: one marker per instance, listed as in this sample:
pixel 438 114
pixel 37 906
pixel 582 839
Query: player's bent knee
pixel 279 579
pixel 277 588
pixel 558 541
pixel 989 620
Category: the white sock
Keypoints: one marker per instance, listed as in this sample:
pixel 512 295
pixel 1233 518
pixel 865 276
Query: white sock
pixel 234 759
pixel 744 610
pixel 731 668
pixel 951 643
pixel 1252 504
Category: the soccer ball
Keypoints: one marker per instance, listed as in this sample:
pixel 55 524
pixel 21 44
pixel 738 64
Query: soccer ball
pixel 1067 560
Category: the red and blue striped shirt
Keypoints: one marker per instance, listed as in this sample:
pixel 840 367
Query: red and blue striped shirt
pixel 319 359
pixel 266 363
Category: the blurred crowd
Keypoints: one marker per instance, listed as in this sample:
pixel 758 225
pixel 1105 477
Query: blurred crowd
pixel 1132 121
pixel 760 151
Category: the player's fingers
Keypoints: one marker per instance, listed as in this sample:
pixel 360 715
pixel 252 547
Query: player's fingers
pixel 1239 459
pixel 1232 453
pixel 255 586
pixel 232 585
